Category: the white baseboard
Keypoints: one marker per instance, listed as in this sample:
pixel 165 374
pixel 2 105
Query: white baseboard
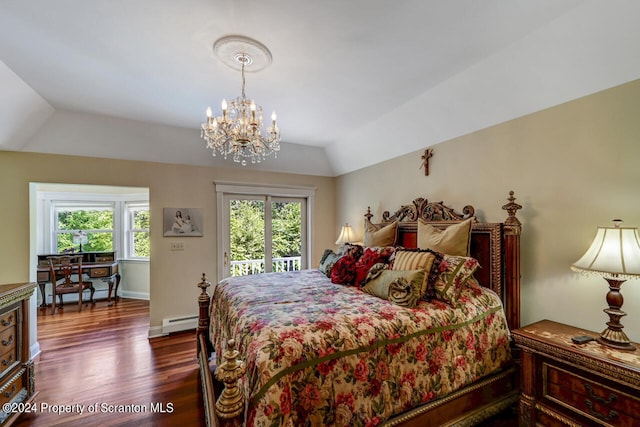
pixel 174 324
pixel 155 331
pixel 135 295
pixel 34 349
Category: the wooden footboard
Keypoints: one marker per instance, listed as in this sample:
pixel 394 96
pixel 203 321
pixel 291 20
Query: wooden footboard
pixel 204 351
pixel 223 401
pixel 465 407
pixel 206 383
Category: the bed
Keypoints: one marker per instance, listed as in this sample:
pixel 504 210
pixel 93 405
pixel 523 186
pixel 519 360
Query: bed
pixel 294 348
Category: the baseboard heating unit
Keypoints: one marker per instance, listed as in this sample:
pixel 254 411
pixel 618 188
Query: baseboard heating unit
pixel 177 324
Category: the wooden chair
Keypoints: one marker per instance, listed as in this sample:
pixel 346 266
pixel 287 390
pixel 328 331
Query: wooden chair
pixel 67 278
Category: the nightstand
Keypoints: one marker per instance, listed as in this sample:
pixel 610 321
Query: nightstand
pixel 567 384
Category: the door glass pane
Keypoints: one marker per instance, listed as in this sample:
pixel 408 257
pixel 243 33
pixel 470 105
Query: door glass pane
pixel 286 239
pixel 246 237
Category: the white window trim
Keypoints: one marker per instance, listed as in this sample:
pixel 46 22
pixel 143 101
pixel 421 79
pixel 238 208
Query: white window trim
pixel 128 230
pixel 230 187
pixel 46 200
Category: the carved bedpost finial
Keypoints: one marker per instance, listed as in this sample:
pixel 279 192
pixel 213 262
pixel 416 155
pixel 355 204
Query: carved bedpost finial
pixel 230 404
pixel 203 285
pixel 203 303
pixel 368 215
pixel 512 207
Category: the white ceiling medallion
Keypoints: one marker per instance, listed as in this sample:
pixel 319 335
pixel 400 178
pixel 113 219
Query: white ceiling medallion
pixel 232 49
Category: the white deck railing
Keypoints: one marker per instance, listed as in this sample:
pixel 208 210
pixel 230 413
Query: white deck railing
pixel 255 266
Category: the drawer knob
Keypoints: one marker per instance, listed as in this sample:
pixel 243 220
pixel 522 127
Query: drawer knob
pixel 11 392
pixel 8 321
pixel 7 362
pixel 8 342
pixel 612 397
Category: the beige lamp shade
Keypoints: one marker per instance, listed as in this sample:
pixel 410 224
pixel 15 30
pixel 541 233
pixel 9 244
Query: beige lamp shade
pixel 615 251
pixel 346 235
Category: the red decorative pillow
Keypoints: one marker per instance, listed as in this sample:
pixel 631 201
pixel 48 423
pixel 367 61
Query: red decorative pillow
pixel 371 257
pixel 344 271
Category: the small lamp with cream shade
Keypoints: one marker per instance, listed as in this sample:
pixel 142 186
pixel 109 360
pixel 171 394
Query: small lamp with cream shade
pixel 80 237
pixel 615 255
pixel 346 236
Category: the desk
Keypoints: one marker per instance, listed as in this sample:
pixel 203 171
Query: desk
pixel 97 265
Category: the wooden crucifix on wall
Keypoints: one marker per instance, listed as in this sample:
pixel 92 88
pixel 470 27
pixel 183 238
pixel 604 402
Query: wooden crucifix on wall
pixel 428 153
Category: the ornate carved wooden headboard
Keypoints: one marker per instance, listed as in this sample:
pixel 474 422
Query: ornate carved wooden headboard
pixel 496 245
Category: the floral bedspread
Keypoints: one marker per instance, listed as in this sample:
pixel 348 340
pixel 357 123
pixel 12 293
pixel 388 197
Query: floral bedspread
pixel 318 353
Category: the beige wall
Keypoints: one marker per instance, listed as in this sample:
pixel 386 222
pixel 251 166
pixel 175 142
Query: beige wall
pixel 573 167
pixel 173 275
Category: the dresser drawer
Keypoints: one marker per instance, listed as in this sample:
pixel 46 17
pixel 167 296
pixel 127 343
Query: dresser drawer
pixel 8 359
pixel 8 319
pixel 8 339
pixel 13 387
pixel 42 276
pixel 589 398
pixel 99 272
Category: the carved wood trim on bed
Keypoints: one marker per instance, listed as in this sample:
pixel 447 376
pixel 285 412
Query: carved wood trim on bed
pixel 497 248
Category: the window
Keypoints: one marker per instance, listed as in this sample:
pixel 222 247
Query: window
pixel 137 239
pixel 95 221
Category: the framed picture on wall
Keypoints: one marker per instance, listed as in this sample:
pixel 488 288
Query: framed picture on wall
pixel 185 222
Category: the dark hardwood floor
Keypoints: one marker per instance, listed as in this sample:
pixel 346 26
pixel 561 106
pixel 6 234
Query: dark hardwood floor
pixel 101 361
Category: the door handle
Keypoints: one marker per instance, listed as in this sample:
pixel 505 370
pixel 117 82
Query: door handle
pixel 226 260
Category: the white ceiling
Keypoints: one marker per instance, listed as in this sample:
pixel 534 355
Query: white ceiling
pixel 360 81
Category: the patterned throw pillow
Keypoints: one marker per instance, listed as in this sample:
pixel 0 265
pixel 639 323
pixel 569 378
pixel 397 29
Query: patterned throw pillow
pixel 415 260
pixel 344 270
pixel 380 236
pixel 370 257
pixel 407 259
pixel 453 240
pixel 329 258
pixel 399 287
pixel 453 273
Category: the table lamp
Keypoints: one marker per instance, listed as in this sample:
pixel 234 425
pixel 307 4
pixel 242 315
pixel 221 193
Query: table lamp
pixel 80 237
pixel 615 255
pixel 346 235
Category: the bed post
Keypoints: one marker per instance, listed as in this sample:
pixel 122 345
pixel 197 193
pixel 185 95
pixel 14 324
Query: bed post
pixel 512 229
pixel 204 350
pixel 230 404
pixel 203 303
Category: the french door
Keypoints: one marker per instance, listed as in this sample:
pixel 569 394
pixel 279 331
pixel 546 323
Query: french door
pixel 262 232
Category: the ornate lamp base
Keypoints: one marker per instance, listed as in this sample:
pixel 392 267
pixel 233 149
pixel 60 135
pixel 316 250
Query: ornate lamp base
pixel 613 336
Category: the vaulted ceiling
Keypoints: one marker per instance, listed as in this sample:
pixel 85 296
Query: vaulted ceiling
pixel 353 82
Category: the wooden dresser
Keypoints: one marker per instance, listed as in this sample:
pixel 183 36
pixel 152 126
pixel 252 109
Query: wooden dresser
pixel 17 381
pixel 567 384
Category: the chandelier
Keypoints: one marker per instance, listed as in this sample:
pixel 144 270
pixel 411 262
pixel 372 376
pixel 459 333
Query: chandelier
pixel 238 132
